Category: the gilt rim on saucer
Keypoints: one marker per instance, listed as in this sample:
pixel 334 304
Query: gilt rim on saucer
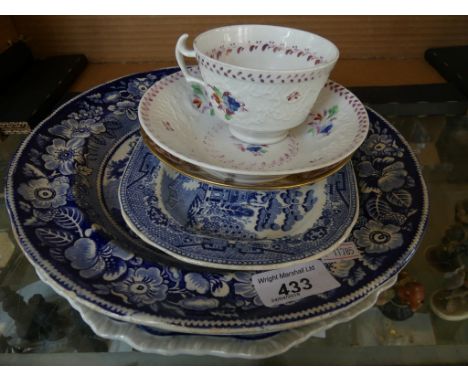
pixel 283 183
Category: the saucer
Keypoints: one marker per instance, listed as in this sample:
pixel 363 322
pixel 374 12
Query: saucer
pixel 223 228
pixel 245 182
pixel 66 218
pixel 179 119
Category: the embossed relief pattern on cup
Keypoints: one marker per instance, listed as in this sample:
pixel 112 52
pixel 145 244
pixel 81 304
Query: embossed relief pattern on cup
pixel 267 107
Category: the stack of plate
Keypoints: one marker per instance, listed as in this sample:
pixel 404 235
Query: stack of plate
pixel 155 237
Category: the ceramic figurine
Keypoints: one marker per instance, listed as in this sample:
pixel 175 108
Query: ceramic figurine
pixel 39 322
pixel 36 319
pixel 400 302
pixel 5 346
pixel 451 258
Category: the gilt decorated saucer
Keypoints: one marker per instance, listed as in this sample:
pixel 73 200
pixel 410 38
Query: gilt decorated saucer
pixel 225 228
pixel 61 196
pixel 180 120
pixel 245 182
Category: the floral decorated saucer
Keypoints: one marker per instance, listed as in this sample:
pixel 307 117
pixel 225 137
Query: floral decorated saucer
pixel 216 227
pixel 180 120
pixel 61 195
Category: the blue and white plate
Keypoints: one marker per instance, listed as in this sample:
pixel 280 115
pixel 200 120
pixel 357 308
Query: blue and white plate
pixel 151 340
pixel 61 197
pixel 225 228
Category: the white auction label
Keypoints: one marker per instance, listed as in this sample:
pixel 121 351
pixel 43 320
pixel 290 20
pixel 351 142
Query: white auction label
pixel 291 284
pixel 346 251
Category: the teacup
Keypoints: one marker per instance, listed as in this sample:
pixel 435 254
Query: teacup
pixel 262 80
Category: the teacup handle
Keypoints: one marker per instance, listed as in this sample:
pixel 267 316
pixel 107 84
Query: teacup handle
pixel 181 51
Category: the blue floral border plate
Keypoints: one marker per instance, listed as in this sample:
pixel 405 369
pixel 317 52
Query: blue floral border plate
pixel 55 199
pixel 150 340
pixel 236 229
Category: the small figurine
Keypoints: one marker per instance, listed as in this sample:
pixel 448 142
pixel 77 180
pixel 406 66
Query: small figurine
pixel 34 320
pixel 5 347
pixel 403 299
pixel 451 258
pixel 38 320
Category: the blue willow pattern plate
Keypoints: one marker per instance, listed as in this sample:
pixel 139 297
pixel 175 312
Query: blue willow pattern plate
pixel 56 199
pixel 228 228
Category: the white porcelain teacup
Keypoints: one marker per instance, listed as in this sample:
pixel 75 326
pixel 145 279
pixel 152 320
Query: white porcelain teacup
pixel 262 80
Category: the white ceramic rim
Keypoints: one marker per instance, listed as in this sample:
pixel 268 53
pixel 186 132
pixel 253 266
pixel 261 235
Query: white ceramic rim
pixel 220 346
pixel 276 71
pixel 215 345
pixel 205 165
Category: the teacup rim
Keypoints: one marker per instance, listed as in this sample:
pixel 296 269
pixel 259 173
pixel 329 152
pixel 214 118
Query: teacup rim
pixel 273 71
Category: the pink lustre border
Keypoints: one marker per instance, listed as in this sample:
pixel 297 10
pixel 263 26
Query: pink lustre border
pixel 245 75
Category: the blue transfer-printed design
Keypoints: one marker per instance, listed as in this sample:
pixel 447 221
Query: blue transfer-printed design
pixel 62 202
pixel 64 156
pixel 138 86
pixel 235 227
pixel 378 238
pixel 71 128
pixel 140 286
pixel 43 193
pixel 382 145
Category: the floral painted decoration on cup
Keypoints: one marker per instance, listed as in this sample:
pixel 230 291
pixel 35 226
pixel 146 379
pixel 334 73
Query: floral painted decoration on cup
pixel 226 102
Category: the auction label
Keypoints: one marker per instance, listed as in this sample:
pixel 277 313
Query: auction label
pixel 346 251
pixel 286 285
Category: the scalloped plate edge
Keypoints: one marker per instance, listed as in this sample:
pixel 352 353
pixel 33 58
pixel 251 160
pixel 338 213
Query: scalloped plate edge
pixel 220 346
